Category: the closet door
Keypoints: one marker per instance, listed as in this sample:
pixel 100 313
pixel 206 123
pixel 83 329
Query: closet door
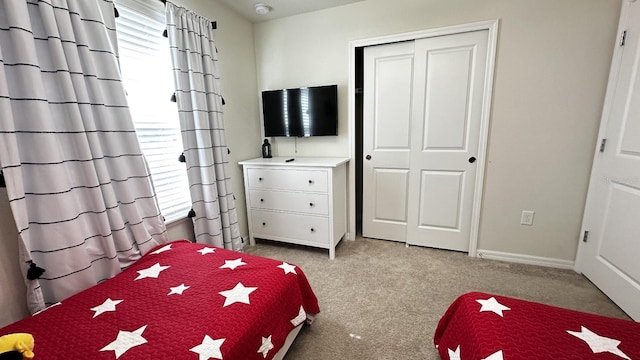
pixel 449 83
pixel 388 93
pixel 423 106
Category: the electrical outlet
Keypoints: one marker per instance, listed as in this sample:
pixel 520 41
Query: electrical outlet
pixel 527 217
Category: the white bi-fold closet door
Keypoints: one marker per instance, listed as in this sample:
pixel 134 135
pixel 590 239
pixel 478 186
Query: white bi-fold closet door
pixel 422 112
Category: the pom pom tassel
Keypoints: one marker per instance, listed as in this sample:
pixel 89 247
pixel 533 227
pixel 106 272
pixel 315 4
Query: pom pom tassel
pixel 34 271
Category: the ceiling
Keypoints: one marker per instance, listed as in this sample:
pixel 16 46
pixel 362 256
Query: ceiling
pixel 281 8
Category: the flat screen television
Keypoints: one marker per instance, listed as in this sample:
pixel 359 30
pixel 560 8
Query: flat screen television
pixel 307 111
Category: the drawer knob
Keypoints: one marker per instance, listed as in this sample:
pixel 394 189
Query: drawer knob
pixel 311 204
pixel 261 200
pixel 264 224
pixel 313 230
pixel 310 181
pixel 259 179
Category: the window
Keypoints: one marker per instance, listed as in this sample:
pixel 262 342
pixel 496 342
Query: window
pixel 147 74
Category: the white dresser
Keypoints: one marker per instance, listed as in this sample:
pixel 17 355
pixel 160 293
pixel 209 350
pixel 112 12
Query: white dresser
pixel 303 201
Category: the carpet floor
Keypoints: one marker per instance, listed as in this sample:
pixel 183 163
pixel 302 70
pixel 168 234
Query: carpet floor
pixel 382 300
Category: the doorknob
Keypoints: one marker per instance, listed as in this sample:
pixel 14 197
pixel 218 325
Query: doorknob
pixel 472 160
pixel 368 157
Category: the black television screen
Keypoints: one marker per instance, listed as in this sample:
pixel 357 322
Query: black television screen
pixel 309 111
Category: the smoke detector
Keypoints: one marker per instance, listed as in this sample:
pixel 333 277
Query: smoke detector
pixel 262 9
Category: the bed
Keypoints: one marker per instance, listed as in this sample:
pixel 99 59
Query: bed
pixel 484 326
pixel 179 301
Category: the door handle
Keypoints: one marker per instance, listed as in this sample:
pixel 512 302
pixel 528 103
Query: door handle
pixel 368 157
pixel 472 160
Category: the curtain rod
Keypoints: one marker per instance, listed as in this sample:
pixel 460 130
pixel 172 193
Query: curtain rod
pixel 214 24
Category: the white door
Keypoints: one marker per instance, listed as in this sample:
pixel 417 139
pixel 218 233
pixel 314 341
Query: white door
pixel 388 84
pixel 447 111
pixel 610 256
pixel 422 113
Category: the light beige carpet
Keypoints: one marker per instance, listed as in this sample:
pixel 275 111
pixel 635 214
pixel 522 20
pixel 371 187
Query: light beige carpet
pixel 382 300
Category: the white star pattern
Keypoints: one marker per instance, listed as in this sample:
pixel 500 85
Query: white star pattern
pixel 232 264
pixel 178 289
pixel 151 272
pixel 208 349
pixel 599 344
pixel 107 305
pixel 207 250
pixel 495 356
pixel 125 341
pixel 239 293
pixel 454 355
pixel 492 305
pixel 300 318
pixel 129 339
pixel 162 249
pixel 266 346
pixel 288 268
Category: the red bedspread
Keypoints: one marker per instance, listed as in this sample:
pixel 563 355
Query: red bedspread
pixel 484 326
pixel 180 301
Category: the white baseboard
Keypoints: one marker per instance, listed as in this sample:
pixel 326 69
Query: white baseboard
pixel 526 259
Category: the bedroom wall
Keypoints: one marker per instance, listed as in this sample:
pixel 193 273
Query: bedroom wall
pixel 551 72
pixel 12 289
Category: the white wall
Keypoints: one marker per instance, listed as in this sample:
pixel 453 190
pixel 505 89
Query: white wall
pixel 552 65
pixel 13 305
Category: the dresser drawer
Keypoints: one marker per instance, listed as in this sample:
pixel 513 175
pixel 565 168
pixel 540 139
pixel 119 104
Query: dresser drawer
pixel 292 226
pixel 310 203
pixel 285 179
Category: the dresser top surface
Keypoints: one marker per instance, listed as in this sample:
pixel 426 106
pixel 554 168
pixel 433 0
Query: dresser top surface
pixel 297 161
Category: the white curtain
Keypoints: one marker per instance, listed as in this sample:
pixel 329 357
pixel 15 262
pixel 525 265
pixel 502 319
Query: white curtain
pixel 78 185
pixel 194 57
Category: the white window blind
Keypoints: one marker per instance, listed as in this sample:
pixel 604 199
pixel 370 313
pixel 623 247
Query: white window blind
pixel 145 61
